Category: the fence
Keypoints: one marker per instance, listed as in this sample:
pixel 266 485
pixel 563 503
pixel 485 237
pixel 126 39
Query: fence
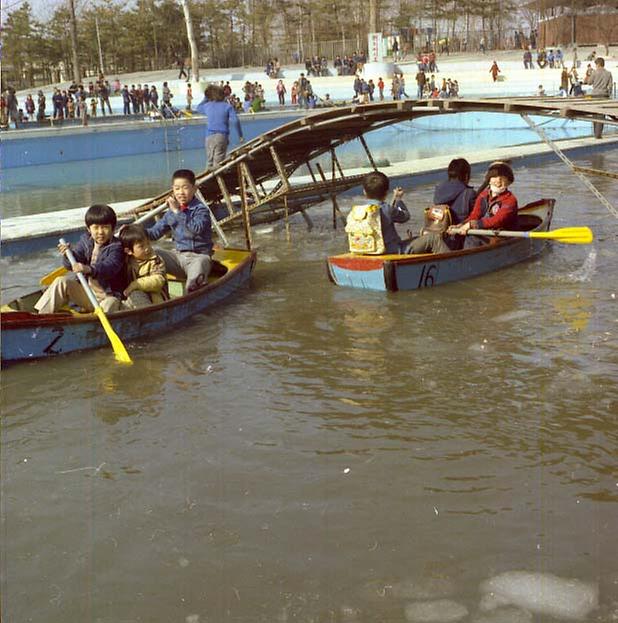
pixel 460 41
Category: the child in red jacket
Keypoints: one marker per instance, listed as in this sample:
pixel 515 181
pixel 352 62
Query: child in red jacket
pixel 495 207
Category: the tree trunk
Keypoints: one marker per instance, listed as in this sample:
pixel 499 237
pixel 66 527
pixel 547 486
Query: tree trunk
pixel 101 64
pixel 301 52
pixel 373 16
pixel 312 28
pixel 77 74
pixel 195 64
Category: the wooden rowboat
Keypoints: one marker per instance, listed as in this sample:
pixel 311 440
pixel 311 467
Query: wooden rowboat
pixel 412 272
pixel 27 335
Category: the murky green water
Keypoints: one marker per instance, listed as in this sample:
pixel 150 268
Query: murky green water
pixel 305 451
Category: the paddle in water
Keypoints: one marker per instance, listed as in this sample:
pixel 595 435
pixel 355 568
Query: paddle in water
pixel 119 349
pixel 566 235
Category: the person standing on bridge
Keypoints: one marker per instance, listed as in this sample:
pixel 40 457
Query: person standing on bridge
pixel 220 115
pixel 601 81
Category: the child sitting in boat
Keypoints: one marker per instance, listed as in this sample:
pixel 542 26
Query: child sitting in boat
pixel 188 220
pixel 383 237
pixel 98 256
pixel 459 196
pixel 145 269
pixel 494 208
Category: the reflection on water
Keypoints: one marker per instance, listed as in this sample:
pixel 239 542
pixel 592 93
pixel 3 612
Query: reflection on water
pixel 312 453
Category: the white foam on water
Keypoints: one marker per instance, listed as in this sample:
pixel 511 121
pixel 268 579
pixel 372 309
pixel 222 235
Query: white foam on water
pixel 269 259
pixel 518 314
pixel 441 611
pixel 505 615
pixel 540 593
pixel 585 272
pixel 264 230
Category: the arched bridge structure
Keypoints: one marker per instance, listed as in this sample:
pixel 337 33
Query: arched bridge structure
pixel 257 174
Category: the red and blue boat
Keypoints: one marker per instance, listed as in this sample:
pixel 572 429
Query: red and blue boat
pixel 391 273
pixel 28 335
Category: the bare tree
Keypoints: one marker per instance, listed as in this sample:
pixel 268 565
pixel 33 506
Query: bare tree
pixel 195 63
pixel 77 74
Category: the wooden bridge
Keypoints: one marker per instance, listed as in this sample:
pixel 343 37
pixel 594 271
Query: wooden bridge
pixel 256 175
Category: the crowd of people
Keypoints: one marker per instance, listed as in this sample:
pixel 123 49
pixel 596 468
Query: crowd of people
pixel 431 88
pixel 317 66
pixel 350 64
pixel 426 61
pixel 92 99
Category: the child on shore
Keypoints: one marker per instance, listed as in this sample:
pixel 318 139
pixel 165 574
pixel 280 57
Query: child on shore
pixel 145 269
pixel 99 256
pixel 188 220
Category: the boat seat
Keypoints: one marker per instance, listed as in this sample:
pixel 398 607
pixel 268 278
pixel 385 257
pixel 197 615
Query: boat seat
pixel 527 222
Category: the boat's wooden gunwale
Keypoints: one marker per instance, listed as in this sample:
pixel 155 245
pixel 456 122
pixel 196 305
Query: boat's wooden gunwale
pixel 374 262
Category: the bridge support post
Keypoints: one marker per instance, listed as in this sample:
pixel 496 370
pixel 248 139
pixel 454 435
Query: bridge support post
pixel 560 154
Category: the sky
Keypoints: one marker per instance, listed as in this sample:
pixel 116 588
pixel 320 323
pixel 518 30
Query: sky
pixel 41 9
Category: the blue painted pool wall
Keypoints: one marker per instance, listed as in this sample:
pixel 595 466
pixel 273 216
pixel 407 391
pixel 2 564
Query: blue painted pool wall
pixel 68 145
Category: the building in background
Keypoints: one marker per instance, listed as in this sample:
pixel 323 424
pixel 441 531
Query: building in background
pixel 576 22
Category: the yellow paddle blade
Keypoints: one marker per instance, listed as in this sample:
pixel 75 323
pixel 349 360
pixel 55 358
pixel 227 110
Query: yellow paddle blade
pixel 47 280
pixel 568 235
pixel 119 350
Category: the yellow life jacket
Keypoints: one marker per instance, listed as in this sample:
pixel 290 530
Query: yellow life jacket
pixel 364 230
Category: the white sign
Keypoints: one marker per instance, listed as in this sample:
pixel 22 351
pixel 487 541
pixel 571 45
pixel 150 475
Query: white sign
pixel 375 48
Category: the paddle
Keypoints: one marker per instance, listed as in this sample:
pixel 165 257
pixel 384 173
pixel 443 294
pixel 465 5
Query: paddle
pixel 144 217
pixel 49 278
pixel 567 235
pixel 119 350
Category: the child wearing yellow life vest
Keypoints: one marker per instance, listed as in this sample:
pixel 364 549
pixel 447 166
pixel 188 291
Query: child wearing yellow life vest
pixel 380 236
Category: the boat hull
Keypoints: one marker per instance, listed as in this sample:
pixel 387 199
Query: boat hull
pixel 33 336
pixel 413 272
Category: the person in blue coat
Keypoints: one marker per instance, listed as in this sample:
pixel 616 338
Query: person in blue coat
pixel 188 220
pixel 126 100
pixel 221 116
pixel 100 258
pixel 459 196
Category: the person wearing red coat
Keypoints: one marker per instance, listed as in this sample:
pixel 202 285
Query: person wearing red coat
pixel 495 207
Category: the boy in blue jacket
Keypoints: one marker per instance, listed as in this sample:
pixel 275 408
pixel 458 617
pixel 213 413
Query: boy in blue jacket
pixel 188 220
pixel 100 257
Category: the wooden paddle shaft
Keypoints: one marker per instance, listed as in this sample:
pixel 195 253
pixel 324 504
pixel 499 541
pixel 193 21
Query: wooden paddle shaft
pixel 497 232
pixel 81 277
